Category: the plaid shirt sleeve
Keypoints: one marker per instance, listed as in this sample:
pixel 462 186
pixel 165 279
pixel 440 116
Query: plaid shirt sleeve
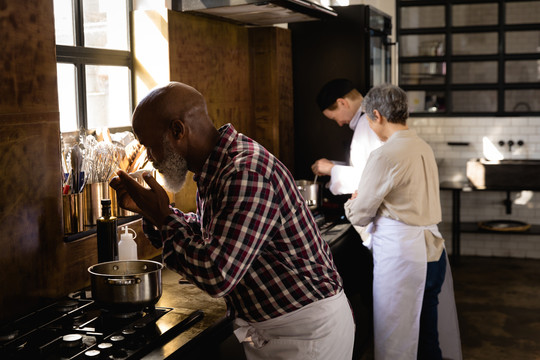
pixel 244 215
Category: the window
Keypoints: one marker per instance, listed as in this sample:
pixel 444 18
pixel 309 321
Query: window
pixel 470 57
pixel 94 63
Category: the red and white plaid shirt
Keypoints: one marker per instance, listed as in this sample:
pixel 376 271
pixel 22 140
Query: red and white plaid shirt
pixel 253 239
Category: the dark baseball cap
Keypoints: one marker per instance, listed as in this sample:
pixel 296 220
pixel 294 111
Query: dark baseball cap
pixel 332 91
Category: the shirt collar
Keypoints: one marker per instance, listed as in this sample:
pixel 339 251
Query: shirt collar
pixel 356 118
pixel 227 135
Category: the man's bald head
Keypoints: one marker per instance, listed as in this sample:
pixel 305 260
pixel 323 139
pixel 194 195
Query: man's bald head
pixel 177 111
pixel 170 102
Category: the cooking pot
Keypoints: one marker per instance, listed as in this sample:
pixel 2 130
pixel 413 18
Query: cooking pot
pixel 310 192
pixel 126 286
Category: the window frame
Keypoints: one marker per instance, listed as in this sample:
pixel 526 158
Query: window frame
pixel 80 56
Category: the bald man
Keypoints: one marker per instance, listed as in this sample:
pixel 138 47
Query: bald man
pixel 252 240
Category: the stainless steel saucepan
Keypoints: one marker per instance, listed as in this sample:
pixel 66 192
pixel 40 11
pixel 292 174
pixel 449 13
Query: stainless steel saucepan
pixel 126 286
pixel 310 191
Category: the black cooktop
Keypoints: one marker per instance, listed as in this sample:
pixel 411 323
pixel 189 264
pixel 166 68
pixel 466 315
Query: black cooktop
pixel 76 328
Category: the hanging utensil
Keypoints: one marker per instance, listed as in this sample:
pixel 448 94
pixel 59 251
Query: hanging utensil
pixel 76 160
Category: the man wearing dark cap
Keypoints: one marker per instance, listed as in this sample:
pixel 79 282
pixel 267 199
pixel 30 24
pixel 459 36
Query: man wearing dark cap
pixel 340 101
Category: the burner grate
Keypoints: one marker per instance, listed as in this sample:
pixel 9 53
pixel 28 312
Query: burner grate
pixel 74 326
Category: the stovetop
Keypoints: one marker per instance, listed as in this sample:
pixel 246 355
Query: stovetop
pixel 77 328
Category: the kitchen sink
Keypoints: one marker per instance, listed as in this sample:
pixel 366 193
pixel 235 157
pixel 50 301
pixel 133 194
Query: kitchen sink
pixel 510 174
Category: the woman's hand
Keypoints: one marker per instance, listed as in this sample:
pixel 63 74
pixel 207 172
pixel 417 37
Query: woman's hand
pixel 354 194
pixel 151 203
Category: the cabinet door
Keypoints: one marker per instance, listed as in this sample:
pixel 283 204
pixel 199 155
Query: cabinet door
pixel 483 43
pixel 422 45
pixel 417 17
pixel 467 14
pixel 423 73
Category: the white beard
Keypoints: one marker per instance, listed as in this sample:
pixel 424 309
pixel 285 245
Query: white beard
pixel 173 168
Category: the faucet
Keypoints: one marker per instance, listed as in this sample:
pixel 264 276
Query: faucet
pixel 511 143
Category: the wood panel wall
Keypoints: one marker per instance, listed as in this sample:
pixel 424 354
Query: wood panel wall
pixel 271 74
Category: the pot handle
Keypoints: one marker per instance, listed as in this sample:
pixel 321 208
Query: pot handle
pixel 124 281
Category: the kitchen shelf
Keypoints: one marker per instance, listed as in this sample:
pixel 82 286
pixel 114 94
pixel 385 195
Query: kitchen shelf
pixel 453 40
pixel 472 227
pixel 459 226
pixel 93 230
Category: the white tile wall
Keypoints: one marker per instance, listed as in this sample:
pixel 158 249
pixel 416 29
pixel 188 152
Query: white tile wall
pixel 487 205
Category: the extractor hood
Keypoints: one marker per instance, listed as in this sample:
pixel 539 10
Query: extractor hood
pixel 256 12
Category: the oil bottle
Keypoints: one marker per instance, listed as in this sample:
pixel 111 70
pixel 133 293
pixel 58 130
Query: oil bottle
pixel 107 233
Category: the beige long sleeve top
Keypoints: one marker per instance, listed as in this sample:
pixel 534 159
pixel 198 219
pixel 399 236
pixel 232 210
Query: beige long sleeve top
pixel 401 182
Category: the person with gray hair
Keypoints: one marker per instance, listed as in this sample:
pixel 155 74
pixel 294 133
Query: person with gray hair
pixel 414 310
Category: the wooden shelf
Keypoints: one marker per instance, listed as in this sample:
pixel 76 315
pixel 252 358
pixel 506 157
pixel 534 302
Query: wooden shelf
pixel 93 230
pixel 472 227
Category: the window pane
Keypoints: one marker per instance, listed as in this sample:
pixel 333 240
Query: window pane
pixel 474 72
pixel 474 101
pixel 522 100
pixel 415 17
pixel 475 43
pixel 426 101
pixel 523 12
pixel 522 71
pixel 63 22
pixel 422 73
pixel 66 97
pixel 468 15
pixel 105 24
pixel 422 45
pixel 522 42
pixel 108 96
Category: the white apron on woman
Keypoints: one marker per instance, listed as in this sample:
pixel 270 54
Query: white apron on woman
pixel 400 267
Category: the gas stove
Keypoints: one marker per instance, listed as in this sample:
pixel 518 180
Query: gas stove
pixel 77 328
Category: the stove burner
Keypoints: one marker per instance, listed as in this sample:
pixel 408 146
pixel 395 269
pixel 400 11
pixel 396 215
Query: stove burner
pixel 72 340
pixel 66 305
pixel 92 354
pixel 127 315
pixel 8 334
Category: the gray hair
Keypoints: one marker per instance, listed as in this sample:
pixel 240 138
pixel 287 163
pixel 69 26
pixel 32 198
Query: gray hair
pixel 389 100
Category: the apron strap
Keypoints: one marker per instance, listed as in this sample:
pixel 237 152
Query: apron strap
pixel 247 333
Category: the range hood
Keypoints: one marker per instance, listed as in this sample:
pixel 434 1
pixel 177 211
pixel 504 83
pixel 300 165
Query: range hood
pixel 256 12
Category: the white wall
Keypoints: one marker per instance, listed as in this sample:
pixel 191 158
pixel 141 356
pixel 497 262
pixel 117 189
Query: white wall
pixel 484 205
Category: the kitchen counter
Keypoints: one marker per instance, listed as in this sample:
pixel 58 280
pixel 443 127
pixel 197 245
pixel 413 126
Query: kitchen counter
pixel 185 298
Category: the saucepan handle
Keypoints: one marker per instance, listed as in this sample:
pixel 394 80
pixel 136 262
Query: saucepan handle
pixel 124 281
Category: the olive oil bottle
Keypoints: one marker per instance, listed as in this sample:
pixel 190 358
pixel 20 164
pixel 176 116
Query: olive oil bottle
pixel 107 233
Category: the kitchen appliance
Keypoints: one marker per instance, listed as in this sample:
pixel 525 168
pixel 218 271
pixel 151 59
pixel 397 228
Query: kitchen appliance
pixel 256 12
pixel 126 286
pixel 354 45
pixel 76 327
pixel 310 192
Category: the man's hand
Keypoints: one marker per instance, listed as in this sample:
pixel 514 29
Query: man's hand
pixel 322 167
pixel 151 203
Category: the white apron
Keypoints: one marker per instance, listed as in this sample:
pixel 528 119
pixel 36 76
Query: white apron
pixel 399 277
pixel 322 330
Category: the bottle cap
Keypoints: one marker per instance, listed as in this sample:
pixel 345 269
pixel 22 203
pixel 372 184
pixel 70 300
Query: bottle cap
pixel 127 235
